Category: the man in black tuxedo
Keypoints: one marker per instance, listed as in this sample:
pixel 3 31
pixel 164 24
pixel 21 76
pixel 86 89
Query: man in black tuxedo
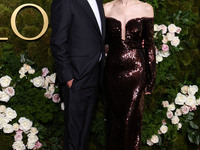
pixel 77 44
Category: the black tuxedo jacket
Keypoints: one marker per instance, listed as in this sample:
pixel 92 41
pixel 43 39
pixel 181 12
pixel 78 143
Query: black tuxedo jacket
pixel 76 41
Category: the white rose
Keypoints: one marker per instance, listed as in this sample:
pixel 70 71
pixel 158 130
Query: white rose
pixel 4 121
pixel 180 99
pixel 171 107
pixel 62 106
pixel 21 76
pixel 155 35
pixel 32 138
pixel 159 58
pixel 178 112
pixel 1 126
pixel 18 145
pixel 175 120
pixel 10 91
pixel 5 81
pixel 170 36
pixel 198 103
pixel 159 132
pixel 165 54
pixel 34 130
pixel 184 89
pixel 10 113
pixel 163 129
pixel 4 97
pixel 169 114
pixel 46 83
pixel 179 126
pixel 172 28
pixel 165 103
pixel 30 145
pixel 2 108
pixel 38 81
pixel 31 71
pixel 163 28
pixel 154 139
pixel 16 126
pixel 149 142
pixel 165 39
pixel 27 67
pixel 8 128
pixel 192 89
pixel 48 94
pixel 175 42
pixel 25 124
pixel 185 109
pixel 191 100
pixel 156 27
pixel 22 71
pixel 51 89
pixel 52 77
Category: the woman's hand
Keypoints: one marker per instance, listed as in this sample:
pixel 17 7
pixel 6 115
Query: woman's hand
pixel 106 49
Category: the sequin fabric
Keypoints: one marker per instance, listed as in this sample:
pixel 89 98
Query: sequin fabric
pixel 130 68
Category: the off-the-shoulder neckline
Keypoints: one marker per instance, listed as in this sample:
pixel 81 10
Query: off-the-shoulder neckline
pixel 138 18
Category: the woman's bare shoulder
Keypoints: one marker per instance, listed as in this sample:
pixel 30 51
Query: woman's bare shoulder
pixel 148 10
pixel 107 7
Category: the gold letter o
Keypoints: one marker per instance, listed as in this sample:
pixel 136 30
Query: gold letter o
pixel 13 21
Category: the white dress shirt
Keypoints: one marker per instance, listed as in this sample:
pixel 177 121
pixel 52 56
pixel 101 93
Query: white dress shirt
pixel 95 9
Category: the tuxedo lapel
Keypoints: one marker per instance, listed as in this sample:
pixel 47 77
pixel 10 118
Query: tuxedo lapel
pixel 102 15
pixel 86 7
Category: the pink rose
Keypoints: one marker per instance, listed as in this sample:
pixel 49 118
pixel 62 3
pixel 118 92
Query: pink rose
pixel 169 114
pixel 164 122
pixel 38 145
pixel 156 49
pixel 178 30
pixel 56 98
pixel 193 107
pixel 19 132
pixel 165 103
pixel 163 28
pixel 18 136
pixel 45 71
pixel 165 48
pixel 185 109
pixel 10 91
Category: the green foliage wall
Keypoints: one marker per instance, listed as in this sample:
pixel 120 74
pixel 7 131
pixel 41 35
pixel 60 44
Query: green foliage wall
pixel 180 68
pixel 29 23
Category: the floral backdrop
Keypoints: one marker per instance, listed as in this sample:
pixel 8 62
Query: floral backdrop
pixel 31 111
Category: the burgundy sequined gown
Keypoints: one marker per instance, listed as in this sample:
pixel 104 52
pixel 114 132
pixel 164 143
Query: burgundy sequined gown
pixel 130 68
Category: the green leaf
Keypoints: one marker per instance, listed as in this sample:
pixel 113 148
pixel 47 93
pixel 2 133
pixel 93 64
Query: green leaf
pixel 190 116
pixel 191 137
pixel 22 60
pixel 197 140
pixel 177 15
pixel 192 125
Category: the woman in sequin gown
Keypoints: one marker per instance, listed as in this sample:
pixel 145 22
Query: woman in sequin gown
pixel 129 72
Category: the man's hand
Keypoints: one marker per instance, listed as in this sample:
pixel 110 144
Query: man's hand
pixel 69 83
pixel 146 92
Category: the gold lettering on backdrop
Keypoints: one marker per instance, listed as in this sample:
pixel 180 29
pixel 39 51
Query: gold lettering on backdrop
pixel 4 39
pixel 13 21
